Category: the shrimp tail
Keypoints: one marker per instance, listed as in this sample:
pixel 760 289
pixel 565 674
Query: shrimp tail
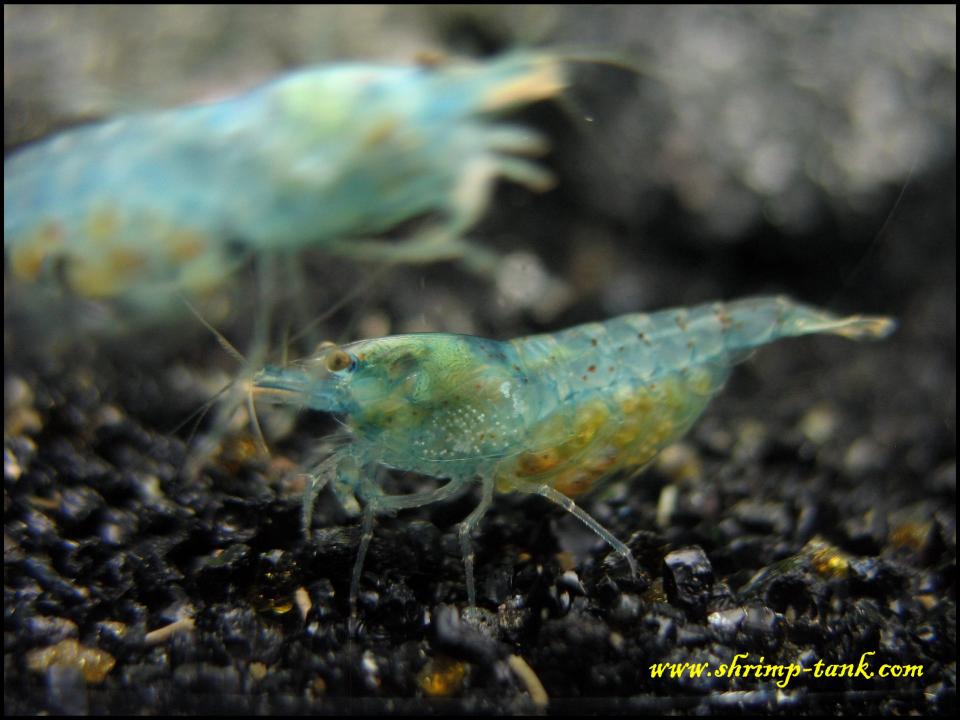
pixel 756 321
pixel 805 320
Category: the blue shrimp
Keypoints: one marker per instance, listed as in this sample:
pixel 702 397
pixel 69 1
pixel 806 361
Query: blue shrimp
pixel 143 207
pixel 552 415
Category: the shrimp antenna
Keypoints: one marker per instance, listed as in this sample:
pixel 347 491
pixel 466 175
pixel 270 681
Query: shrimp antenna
pixel 233 352
pixel 641 68
pixel 255 421
pixel 227 346
pixel 201 411
pixel 880 237
pixel 568 105
pixel 285 359
pixel 344 300
pixel 611 59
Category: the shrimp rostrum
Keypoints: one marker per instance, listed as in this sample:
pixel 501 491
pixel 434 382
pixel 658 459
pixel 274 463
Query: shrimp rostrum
pixel 342 157
pixel 552 415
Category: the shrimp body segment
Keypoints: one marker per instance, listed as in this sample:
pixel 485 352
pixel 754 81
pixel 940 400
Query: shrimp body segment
pixel 551 414
pixel 145 204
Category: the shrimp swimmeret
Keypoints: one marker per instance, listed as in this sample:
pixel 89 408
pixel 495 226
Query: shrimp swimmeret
pixel 552 414
pixel 142 207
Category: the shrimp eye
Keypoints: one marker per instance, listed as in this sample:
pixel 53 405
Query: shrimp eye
pixel 338 360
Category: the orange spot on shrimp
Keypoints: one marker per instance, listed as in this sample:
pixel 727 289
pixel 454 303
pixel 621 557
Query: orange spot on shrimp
pixel 575 482
pixel 662 432
pixel 187 244
pixel 380 133
pixel 723 318
pixel 103 225
pixel 626 435
pixel 125 262
pixel 431 58
pixel 589 423
pixel 641 456
pixel 95 278
pixel 537 462
pixel 26 261
pixel 580 479
pixel 27 258
pixel 636 403
pixel 91 279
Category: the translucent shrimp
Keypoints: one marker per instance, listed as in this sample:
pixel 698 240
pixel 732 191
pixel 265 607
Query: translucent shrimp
pixel 143 207
pixel 552 415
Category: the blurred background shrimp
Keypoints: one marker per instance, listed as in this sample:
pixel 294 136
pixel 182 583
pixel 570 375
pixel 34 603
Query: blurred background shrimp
pixel 144 209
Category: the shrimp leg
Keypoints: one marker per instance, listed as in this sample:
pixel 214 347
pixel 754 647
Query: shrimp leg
pixel 571 507
pixel 366 535
pixel 379 503
pixel 430 246
pixel 469 199
pixel 316 482
pixel 466 530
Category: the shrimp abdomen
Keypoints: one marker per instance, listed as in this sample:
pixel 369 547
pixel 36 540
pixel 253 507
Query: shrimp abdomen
pixel 618 392
pixel 644 347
